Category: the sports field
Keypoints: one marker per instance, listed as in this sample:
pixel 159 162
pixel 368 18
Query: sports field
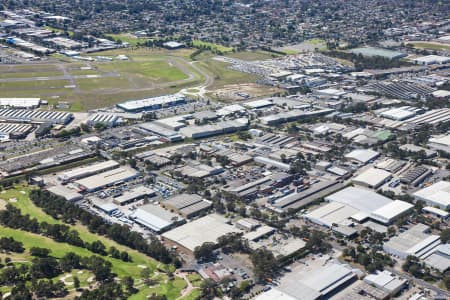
pixel 18 196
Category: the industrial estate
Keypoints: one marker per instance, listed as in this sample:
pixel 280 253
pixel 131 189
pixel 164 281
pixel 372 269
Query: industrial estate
pixel 225 150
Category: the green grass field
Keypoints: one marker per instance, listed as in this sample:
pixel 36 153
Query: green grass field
pixel 18 196
pixel 211 46
pixel 252 55
pixel 127 38
pixel 430 45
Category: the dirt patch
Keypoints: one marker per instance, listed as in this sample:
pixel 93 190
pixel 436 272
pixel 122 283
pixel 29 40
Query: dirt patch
pixel 2 204
pixel 237 92
pixel 13 200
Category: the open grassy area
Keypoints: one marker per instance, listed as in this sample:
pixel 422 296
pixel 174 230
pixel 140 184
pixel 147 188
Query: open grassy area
pixel 211 46
pixel 127 38
pixel 171 288
pixel 253 55
pixel 430 45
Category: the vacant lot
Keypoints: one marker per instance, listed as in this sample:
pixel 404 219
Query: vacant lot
pixel 430 45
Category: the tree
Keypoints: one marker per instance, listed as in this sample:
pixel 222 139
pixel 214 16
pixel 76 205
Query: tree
pixel 209 289
pixel 76 282
pixel 445 235
pixel 264 263
pixel 205 251
pixel 41 252
pixel 128 281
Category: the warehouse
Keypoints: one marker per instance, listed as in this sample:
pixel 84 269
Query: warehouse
pixel 197 132
pixel 65 192
pixel 187 205
pixel 230 109
pixel 133 195
pixel 362 156
pixel 154 128
pixel 362 199
pixel 14 130
pixel 432 60
pixel 274 294
pixel 27 103
pixel 389 212
pixel 391 165
pixel 372 52
pixel 258 104
pixel 387 281
pixel 155 218
pixel 415 241
pixel 293 115
pixel 372 178
pixel 108 120
pixel 415 176
pixel 437 194
pixel 319 282
pixel 152 103
pixel 89 170
pixel 270 162
pixel 35 116
pixel 193 234
pixel 433 117
pixel 108 178
pixel 440 258
pixel 440 143
pixel 400 113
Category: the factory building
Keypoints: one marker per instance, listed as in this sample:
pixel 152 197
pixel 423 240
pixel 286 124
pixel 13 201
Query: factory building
pixel 9 131
pixel 386 281
pixel 432 60
pixel 372 178
pixel 66 193
pixel 25 103
pixel 187 205
pixel 440 143
pixel 85 171
pixel 193 234
pixel 197 132
pixel 293 115
pixel 362 156
pixel 109 120
pixel 433 117
pixel 400 113
pixel 415 241
pixel 35 116
pixel 155 218
pixel 270 162
pixel 437 194
pixel 108 178
pixel 155 103
pixel 133 195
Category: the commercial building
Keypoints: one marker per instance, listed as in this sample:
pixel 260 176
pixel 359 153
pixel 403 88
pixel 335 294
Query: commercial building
pixel 108 120
pixel 432 60
pixel 440 143
pixel 187 205
pixel 387 281
pixel 35 116
pixel 108 178
pixel 66 193
pixel 362 156
pixel 224 127
pixel 372 178
pixel 133 195
pixel 437 194
pixel 155 218
pixel 26 103
pixel 318 283
pixel 193 234
pixel 152 103
pixel 372 52
pixel 86 171
pixel 415 241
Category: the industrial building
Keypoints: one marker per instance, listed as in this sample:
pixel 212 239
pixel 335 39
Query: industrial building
pixel 230 109
pixel 85 171
pixel 14 131
pixel 440 143
pixel 25 103
pixel 152 103
pixel 293 115
pixel 66 193
pixel 133 195
pixel 35 116
pixel 358 204
pixel 224 127
pixel 440 258
pixel 372 178
pixel 437 194
pixel 108 178
pixel 270 162
pixel 187 205
pixel 362 156
pixel 318 283
pixel 431 60
pixel 400 113
pixel 155 128
pixel 372 52
pixel 415 241
pixel 387 281
pixel 155 218
pixel 433 117
pixel 193 234
pixel 108 120
pixel 415 176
